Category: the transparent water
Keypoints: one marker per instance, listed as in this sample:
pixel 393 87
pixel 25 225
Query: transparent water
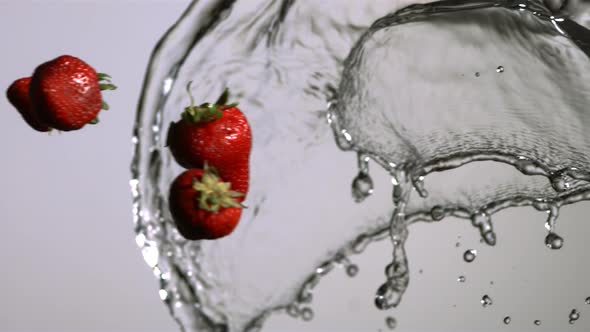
pixel 403 93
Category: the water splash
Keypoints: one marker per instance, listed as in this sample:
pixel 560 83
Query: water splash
pixel 283 80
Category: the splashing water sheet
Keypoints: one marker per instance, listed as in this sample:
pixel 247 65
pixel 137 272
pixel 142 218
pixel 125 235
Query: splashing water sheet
pixel 407 92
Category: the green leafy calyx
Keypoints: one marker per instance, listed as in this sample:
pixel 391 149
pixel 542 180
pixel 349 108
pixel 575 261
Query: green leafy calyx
pixel 214 194
pixel 206 112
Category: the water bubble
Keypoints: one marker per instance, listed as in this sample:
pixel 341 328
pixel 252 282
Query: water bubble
pixel 391 322
pixel 560 182
pixel 500 69
pixel 486 301
pixel 461 279
pixel 458 244
pixel 507 320
pixel 469 255
pixel 437 213
pixel 574 316
pixel 553 241
pixel 537 322
pixel 477 74
pixel 293 311
pixel 362 187
pixel 307 314
pixel 352 270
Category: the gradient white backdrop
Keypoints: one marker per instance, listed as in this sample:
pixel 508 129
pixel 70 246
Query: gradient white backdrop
pixel 67 250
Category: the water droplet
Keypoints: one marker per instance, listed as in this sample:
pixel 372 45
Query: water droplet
pixel 307 314
pixel 500 69
pixel 537 322
pixel 587 300
pixel 490 238
pixel 420 271
pixel 458 244
pixel 574 316
pixel 163 294
pixel 391 323
pixel 362 187
pixel 483 222
pixel 343 139
pixel 477 74
pixel 352 270
pixel 387 296
pixel 437 213
pixel 469 255
pixel 418 184
pixel 507 320
pixel 461 279
pixel 553 241
pixel 293 311
pixel 486 301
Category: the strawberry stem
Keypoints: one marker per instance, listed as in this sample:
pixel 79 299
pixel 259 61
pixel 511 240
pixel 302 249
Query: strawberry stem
pixel 222 100
pixel 205 112
pixel 213 193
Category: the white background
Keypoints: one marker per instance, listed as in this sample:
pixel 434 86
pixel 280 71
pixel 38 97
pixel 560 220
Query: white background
pixel 67 249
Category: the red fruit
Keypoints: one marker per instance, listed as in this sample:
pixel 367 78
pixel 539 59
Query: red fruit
pixel 18 95
pixel 203 206
pixel 66 92
pixel 218 134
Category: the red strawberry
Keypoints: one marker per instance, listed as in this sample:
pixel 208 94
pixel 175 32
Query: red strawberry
pixel 203 206
pixel 66 93
pixel 18 95
pixel 218 134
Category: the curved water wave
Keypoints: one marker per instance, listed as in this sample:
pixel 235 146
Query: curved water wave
pixel 283 61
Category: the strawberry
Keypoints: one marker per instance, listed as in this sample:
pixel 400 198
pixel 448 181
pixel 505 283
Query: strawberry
pixel 18 95
pixel 203 206
pixel 215 133
pixel 66 92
